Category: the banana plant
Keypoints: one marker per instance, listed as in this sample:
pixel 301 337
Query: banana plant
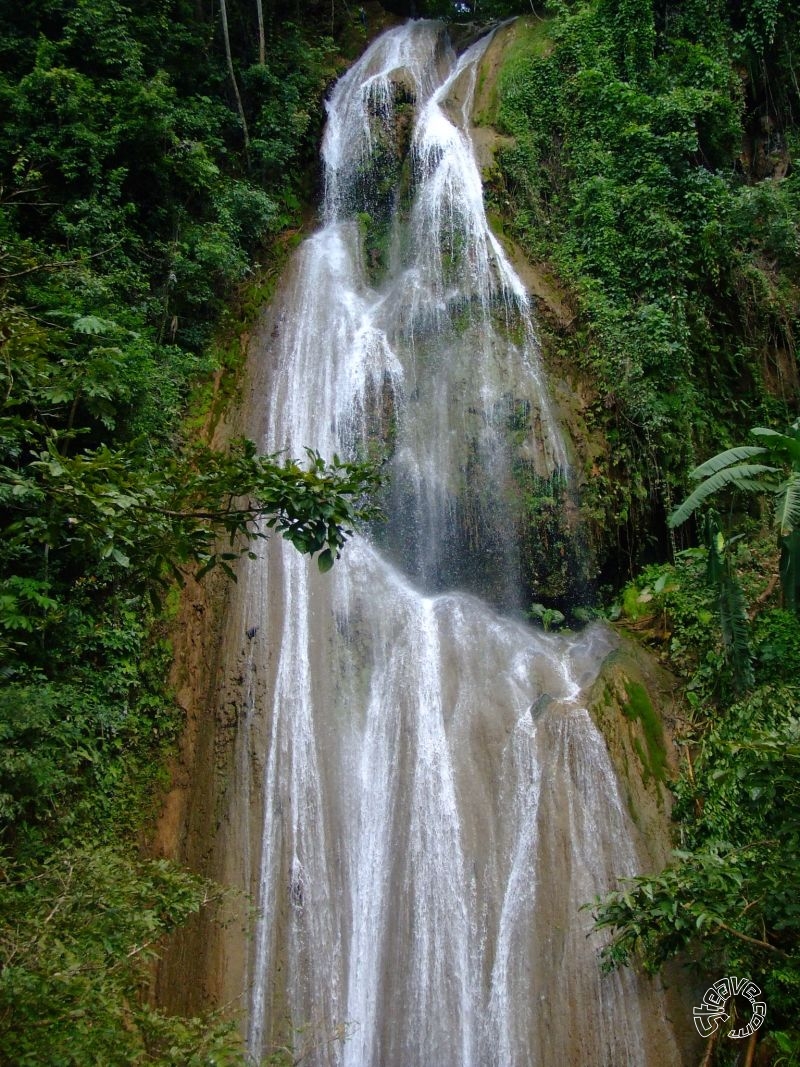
pixel 771 468
pixel 731 603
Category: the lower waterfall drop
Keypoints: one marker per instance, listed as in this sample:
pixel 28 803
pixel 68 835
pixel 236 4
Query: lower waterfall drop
pixel 430 800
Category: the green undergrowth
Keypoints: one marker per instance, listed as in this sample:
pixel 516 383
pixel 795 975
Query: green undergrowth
pixel 530 38
pixel 214 391
pixel 728 901
pixel 649 167
pixel 82 915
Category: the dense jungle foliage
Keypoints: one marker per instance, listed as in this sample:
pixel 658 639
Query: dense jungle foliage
pixel 651 168
pixel 140 185
pixel 154 161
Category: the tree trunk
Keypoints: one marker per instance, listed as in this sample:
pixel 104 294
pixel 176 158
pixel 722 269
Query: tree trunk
pixel 224 13
pixel 751 1050
pixel 708 1058
pixel 262 41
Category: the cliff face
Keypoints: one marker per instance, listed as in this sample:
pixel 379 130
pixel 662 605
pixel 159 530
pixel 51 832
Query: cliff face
pixel 215 681
pixel 203 967
pixel 633 703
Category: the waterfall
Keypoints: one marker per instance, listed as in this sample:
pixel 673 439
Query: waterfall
pixel 427 800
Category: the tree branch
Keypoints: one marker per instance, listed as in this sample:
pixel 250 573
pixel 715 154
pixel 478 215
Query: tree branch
pixel 750 940
pixel 762 598
pixel 59 264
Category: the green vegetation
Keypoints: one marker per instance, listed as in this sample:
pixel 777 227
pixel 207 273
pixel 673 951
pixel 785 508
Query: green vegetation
pixel 78 933
pixel 728 900
pixel 550 618
pixel 654 760
pixel 139 197
pixel 760 469
pixel 152 171
pixel 650 170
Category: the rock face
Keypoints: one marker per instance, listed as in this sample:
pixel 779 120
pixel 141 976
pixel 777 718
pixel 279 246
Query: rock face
pixel 204 965
pixel 632 702
pixel 242 688
pixel 556 557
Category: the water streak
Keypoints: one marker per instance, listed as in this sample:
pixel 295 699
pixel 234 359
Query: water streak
pixel 434 802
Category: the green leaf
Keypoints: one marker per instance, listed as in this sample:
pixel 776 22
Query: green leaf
pixel 735 631
pixel 725 459
pixel 92 325
pixel 787 506
pixel 780 442
pixel 325 560
pixel 747 477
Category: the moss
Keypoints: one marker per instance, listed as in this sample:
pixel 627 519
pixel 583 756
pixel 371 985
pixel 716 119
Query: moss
pixel 528 37
pixel 212 394
pixel 496 223
pixel 376 236
pixel 171 603
pixel 532 38
pixel 639 707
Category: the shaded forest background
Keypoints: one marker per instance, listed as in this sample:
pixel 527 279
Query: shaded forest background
pixel 157 163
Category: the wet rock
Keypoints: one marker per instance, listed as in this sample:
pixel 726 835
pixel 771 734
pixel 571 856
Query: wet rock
pixel 632 703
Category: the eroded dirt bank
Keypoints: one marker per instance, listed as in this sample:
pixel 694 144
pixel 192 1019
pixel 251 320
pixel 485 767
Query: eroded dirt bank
pixel 213 677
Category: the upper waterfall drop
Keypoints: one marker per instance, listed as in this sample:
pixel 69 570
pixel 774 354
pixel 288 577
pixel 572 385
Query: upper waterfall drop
pixel 427 799
pixel 450 313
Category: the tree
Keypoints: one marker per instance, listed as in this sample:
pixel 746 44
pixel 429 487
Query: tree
pixel 229 58
pixel 729 899
pixel 773 469
pixel 106 504
pixel 262 43
pixel 77 936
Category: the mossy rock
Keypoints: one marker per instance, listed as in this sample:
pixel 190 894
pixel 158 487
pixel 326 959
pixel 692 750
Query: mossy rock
pixel 516 41
pixel 631 704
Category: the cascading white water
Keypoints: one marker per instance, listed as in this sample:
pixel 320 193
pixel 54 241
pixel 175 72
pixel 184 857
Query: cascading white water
pixel 433 801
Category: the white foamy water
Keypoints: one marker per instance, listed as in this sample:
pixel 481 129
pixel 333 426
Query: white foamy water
pixel 430 801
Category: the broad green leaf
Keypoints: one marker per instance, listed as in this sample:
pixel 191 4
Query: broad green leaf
pixel 748 477
pixel 779 442
pixel 725 459
pixel 787 505
pixel 92 325
pixel 325 560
